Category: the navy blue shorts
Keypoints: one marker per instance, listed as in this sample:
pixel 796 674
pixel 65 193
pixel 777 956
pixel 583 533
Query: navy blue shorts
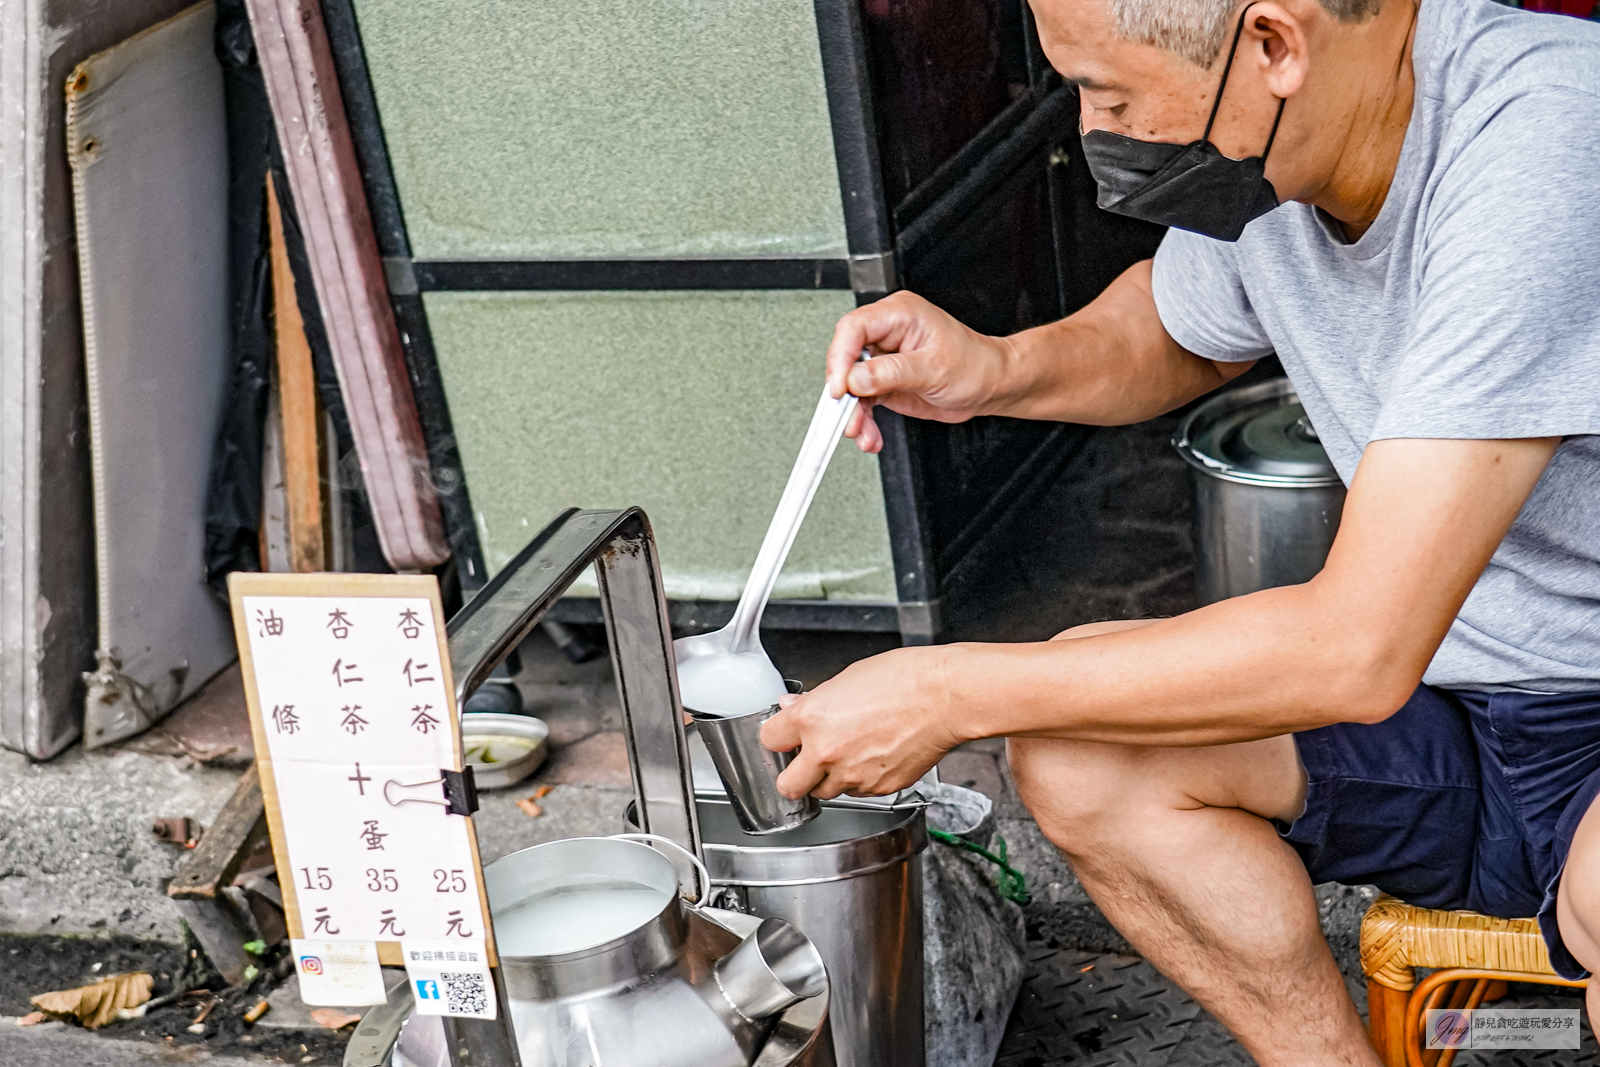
pixel 1458 800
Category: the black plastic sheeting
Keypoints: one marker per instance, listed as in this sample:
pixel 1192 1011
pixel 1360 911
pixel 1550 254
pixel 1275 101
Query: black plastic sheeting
pixel 234 503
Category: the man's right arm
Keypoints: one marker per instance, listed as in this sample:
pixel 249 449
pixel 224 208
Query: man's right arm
pixel 1110 364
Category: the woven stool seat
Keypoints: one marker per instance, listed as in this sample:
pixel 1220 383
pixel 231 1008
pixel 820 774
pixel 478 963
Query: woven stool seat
pixel 1472 957
pixel 1397 937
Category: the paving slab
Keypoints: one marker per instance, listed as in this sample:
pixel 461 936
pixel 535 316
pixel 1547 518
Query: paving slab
pixel 569 811
pixel 212 726
pixel 59 1045
pixel 76 852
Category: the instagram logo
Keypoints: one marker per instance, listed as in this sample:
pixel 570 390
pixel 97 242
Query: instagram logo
pixel 311 964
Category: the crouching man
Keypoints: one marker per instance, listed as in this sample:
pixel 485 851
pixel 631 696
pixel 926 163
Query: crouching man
pixel 1424 715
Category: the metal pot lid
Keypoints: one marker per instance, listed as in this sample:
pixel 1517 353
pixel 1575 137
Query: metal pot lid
pixel 1259 434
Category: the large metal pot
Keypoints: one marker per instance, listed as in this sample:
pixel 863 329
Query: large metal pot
pixel 1267 501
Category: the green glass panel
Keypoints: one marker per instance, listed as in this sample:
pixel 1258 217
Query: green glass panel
pixel 606 127
pixel 690 404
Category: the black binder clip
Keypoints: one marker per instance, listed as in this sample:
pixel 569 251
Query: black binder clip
pixel 460 791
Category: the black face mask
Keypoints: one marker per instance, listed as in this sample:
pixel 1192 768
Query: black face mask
pixel 1192 186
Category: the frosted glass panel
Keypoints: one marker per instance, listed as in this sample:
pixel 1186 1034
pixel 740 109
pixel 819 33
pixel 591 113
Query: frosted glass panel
pixel 606 127
pixel 690 404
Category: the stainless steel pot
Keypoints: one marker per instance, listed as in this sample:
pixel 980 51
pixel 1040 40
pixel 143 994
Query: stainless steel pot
pixel 851 882
pixel 1267 501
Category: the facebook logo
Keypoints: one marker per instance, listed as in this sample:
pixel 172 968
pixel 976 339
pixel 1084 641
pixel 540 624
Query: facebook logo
pixel 427 989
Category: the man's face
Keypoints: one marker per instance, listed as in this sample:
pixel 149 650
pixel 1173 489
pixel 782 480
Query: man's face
pixel 1146 92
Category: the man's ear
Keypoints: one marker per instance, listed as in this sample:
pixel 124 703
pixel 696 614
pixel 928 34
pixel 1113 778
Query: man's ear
pixel 1275 40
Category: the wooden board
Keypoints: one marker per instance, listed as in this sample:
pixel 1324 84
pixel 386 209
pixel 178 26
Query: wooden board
pixel 304 749
pixel 330 202
pixel 299 413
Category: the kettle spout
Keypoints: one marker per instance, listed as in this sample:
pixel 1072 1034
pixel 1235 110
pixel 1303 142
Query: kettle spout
pixel 770 971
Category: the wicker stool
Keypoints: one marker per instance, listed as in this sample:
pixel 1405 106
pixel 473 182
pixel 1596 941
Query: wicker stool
pixel 1475 957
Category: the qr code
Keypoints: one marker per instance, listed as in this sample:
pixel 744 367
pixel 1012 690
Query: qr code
pixel 464 994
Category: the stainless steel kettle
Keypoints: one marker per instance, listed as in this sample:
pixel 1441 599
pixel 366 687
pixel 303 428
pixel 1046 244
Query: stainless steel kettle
pixel 677 989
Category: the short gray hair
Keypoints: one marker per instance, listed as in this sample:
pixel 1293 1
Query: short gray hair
pixel 1198 30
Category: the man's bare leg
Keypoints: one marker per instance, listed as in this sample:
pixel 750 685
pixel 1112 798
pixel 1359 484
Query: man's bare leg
pixel 1578 903
pixel 1175 847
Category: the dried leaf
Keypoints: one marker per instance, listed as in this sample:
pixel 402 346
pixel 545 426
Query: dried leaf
pixel 333 1018
pixel 96 1004
pixel 33 1018
pixel 530 807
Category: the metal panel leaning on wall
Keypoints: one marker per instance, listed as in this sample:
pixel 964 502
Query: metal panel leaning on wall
pixel 147 140
pixel 47 616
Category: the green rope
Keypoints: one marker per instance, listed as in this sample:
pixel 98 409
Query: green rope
pixel 1008 879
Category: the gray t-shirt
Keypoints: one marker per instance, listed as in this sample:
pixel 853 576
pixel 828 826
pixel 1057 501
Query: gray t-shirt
pixel 1470 310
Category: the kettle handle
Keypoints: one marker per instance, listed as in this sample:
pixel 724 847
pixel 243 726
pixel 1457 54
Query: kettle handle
pixel 700 868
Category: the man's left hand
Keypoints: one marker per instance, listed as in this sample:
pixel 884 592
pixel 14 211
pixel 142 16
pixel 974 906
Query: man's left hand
pixel 873 730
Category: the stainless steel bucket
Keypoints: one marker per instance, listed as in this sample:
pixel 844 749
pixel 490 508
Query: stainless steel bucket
pixel 1267 501
pixel 850 881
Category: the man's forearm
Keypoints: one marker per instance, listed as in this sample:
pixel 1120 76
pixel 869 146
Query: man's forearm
pixel 1173 682
pixel 1111 364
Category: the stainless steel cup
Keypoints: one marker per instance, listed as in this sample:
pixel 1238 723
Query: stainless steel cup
pixel 750 772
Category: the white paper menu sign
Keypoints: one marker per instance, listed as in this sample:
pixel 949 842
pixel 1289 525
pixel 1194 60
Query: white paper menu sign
pixel 352 707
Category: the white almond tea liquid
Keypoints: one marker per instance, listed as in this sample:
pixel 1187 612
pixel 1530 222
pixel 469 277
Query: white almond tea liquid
pixel 575 917
pixel 732 683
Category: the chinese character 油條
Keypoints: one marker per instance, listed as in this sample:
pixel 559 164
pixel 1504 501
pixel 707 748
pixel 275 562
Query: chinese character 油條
pixel 341 673
pixel 371 835
pixel 410 625
pixel 413 679
pixel 284 718
pixel 423 722
pixel 271 624
pixel 352 722
pixel 339 623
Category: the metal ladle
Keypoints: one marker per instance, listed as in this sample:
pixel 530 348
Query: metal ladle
pixel 739 643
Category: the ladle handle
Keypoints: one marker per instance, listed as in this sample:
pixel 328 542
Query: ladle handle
pixel 699 868
pixel 822 436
